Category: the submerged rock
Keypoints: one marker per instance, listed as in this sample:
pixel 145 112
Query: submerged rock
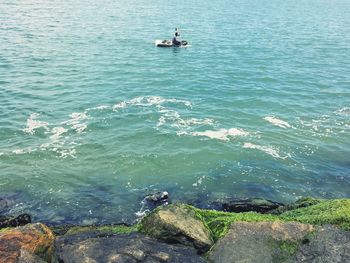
pixel 36 239
pixel 238 205
pixel 20 220
pixel 98 247
pixel 158 198
pixel 262 242
pixel 178 223
pixel 300 203
pixel 3 204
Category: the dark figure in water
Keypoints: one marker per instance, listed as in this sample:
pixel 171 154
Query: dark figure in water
pixel 176 42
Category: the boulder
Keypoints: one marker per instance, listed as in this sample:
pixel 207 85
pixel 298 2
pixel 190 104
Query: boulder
pixel 36 239
pixel 21 220
pixel 178 223
pixel 262 242
pixel 327 245
pixel 134 247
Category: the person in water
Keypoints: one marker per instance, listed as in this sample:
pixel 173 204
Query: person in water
pixel 176 42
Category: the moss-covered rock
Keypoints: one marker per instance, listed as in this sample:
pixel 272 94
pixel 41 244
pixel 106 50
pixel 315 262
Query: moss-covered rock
pixel 302 202
pixel 37 239
pixel 219 222
pixel 334 212
pixel 178 223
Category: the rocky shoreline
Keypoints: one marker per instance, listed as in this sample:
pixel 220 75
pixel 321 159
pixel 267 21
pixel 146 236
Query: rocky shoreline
pixel 246 230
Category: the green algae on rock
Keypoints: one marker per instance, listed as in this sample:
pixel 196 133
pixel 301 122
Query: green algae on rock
pixel 334 212
pixel 302 202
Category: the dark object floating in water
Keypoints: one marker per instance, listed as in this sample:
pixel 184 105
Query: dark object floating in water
pixel 169 43
pixel 20 220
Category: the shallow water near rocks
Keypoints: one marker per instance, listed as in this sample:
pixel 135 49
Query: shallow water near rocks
pixel 93 116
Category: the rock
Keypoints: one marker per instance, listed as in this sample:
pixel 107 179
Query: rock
pixel 36 239
pixel 98 247
pixel 238 205
pixel 302 202
pixel 157 198
pixel 20 220
pixel 262 242
pixel 152 201
pixel 27 257
pixel 326 245
pixel 178 223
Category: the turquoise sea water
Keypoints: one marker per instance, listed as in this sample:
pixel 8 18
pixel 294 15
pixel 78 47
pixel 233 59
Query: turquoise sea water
pixel 93 116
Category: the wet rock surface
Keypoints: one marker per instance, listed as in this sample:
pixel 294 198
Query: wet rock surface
pixel 21 220
pixel 327 245
pixel 238 205
pixel 19 243
pixel 97 247
pixel 178 223
pixel 262 242
pixel 152 201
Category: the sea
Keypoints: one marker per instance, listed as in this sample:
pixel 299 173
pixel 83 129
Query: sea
pixel 94 117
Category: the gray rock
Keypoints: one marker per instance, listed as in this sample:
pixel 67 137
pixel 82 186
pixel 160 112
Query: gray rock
pixel 178 223
pixel 97 247
pixel 27 257
pixel 261 242
pixel 327 245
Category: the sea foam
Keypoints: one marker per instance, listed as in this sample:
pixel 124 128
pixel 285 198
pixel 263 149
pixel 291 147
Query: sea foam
pixel 267 149
pixel 277 122
pixel 222 134
pixel 33 124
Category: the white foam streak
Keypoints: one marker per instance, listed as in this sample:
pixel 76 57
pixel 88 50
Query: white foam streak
pixel 120 105
pixel 101 107
pixel 57 132
pixel 33 124
pixel 149 101
pixel 277 122
pixel 222 134
pixel 75 121
pixel 267 149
